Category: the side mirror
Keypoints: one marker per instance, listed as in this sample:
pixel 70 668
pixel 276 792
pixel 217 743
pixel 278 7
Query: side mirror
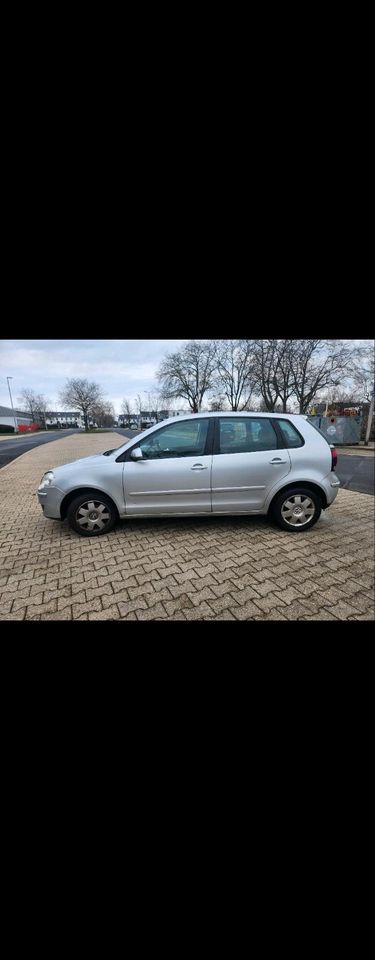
pixel 136 454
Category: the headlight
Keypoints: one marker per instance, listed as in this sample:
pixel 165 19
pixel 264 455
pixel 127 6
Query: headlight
pixel 46 480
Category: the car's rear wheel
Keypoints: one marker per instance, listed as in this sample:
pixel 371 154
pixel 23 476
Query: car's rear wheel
pixel 92 516
pixel 297 510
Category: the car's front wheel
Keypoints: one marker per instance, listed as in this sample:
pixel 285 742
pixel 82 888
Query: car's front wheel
pixel 297 510
pixel 92 516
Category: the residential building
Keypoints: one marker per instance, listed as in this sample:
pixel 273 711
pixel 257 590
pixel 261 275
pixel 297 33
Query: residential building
pixel 147 418
pixel 63 419
pixel 7 416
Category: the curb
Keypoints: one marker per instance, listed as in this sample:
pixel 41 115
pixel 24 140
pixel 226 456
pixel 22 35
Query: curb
pixel 21 456
pixel 57 440
pixel 14 436
pixel 364 452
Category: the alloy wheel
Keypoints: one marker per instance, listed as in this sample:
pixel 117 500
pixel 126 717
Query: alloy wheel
pixel 93 515
pixel 298 511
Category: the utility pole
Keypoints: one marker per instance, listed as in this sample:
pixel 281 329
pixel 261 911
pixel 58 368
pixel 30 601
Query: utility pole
pixel 11 403
pixel 370 416
pixel 329 387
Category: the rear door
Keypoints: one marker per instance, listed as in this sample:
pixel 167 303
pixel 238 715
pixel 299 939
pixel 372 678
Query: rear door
pixel 247 464
pixel 174 475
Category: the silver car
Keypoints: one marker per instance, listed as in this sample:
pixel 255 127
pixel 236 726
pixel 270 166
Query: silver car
pixel 199 465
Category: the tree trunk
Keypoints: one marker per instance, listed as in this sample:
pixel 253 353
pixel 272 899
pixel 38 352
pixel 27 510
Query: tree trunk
pixel 369 422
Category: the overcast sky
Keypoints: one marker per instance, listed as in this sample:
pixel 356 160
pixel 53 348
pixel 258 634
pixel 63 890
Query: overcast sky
pixel 123 368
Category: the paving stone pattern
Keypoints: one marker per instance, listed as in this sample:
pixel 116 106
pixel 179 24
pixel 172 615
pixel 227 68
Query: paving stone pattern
pixel 191 569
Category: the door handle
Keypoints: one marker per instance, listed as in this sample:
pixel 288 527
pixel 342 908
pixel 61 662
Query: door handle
pixel 278 460
pixel 199 466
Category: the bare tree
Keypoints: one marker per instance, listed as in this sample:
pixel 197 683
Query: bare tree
pixel 364 382
pixel 139 405
pixel 218 403
pixel 284 372
pixel 83 396
pixel 27 401
pixel 272 372
pixel 42 407
pixel 335 398
pixel 236 376
pixel 35 404
pixel 318 365
pixel 103 414
pixel 266 359
pixel 154 404
pixel 189 373
pixel 301 370
pixel 126 410
pixel 364 372
pixel 261 407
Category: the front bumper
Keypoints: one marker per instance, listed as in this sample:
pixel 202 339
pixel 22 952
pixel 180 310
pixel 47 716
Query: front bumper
pixel 50 502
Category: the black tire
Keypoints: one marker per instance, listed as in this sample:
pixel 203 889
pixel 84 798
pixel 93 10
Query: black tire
pixel 84 507
pixel 285 506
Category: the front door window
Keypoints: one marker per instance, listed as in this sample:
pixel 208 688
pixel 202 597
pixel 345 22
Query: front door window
pixel 187 439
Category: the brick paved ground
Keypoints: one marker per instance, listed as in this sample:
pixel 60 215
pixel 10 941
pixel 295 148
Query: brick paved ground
pixel 193 569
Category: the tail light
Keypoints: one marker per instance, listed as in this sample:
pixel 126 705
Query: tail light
pixel 334 457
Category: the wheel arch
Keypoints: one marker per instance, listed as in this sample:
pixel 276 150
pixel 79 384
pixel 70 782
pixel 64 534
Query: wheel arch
pixel 294 485
pixel 87 492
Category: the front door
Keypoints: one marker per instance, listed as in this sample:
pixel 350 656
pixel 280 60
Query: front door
pixel 174 475
pixel 246 464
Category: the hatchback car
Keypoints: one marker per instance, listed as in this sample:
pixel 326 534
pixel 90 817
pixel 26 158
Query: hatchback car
pixel 200 465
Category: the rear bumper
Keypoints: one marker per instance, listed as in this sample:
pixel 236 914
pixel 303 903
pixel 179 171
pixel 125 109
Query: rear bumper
pixel 331 485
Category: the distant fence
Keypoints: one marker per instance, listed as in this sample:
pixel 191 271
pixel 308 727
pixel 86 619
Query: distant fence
pixel 339 430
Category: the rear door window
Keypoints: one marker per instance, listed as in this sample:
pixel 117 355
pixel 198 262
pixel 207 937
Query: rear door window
pixel 246 435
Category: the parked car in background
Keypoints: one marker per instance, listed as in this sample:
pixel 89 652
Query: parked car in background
pixel 200 465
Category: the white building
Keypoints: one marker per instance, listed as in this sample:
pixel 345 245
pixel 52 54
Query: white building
pixel 7 417
pixel 58 419
pixel 63 418
pixel 148 418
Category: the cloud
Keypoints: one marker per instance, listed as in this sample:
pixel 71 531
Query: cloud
pixel 121 367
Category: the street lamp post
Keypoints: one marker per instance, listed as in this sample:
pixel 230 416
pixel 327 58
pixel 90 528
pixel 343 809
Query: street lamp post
pixel 11 403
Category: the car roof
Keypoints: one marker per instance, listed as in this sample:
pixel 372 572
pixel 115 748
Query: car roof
pixel 231 414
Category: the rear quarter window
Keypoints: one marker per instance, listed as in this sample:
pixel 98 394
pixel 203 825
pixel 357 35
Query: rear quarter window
pixel 290 434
